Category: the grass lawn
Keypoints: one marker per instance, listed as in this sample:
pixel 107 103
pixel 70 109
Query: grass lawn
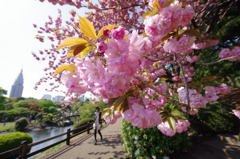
pixel 8 126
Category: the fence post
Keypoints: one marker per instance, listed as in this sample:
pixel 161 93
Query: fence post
pixel 23 149
pixel 88 128
pixel 68 136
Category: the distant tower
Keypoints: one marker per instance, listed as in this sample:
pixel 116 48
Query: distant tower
pixel 17 87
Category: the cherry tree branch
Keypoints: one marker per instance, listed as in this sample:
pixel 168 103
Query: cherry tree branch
pixel 127 7
pixel 184 79
pixel 227 58
pixel 158 59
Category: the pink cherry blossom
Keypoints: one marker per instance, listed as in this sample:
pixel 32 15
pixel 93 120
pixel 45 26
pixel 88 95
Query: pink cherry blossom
pixel 186 15
pixel 101 47
pixel 165 128
pixel 142 118
pixel 133 61
pixel 210 94
pixel 237 113
pixel 196 100
pixel 232 55
pixel 183 45
pixel 182 125
pixel 191 112
pixel 118 33
pixel 223 89
pixel 73 84
pixel 192 59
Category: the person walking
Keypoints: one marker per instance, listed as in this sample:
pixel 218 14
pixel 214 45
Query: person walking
pixel 97 124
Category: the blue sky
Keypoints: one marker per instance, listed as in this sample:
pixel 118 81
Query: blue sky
pixel 17 42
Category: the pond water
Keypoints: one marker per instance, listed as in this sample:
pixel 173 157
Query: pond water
pixel 39 135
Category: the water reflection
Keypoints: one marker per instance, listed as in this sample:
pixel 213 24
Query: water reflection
pixel 39 135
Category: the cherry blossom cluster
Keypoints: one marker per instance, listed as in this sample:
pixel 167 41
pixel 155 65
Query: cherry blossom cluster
pixel 197 100
pixel 142 71
pixel 231 55
pixel 105 13
pixel 181 126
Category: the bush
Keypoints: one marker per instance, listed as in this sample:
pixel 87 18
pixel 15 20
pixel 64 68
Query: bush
pixel 146 143
pixel 13 140
pixel 215 118
pixel 21 124
pixel 81 123
pixel 52 109
pixel 16 112
pixel 48 118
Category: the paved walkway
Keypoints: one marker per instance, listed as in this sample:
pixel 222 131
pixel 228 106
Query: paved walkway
pixel 109 148
pixel 214 147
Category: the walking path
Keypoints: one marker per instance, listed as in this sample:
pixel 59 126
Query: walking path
pixel 214 147
pixel 109 148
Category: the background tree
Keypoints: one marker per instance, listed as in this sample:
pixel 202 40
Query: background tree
pixel 2 98
pixel 226 30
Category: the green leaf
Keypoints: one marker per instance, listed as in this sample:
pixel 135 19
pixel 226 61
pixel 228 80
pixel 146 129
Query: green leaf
pixel 120 104
pixel 72 41
pixel 67 67
pixel 124 106
pixel 164 115
pixel 148 13
pixel 71 68
pixel 87 28
pixel 111 101
pixel 60 69
pixel 85 52
pixel 177 114
pixel 156 5
pixel 193 32
pixel 209 78
pixel 120 100
pixel 166 38
pixel 172 123
pixel 168 3
pixel 199 88
pixel 106 110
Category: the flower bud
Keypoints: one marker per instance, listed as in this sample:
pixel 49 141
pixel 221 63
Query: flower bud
pixel 106 32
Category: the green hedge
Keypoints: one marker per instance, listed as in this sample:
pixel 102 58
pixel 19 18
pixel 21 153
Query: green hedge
pixel 13 140
pixel 215 118
pixel 81 123
pixel 20 124
pixel 146 143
